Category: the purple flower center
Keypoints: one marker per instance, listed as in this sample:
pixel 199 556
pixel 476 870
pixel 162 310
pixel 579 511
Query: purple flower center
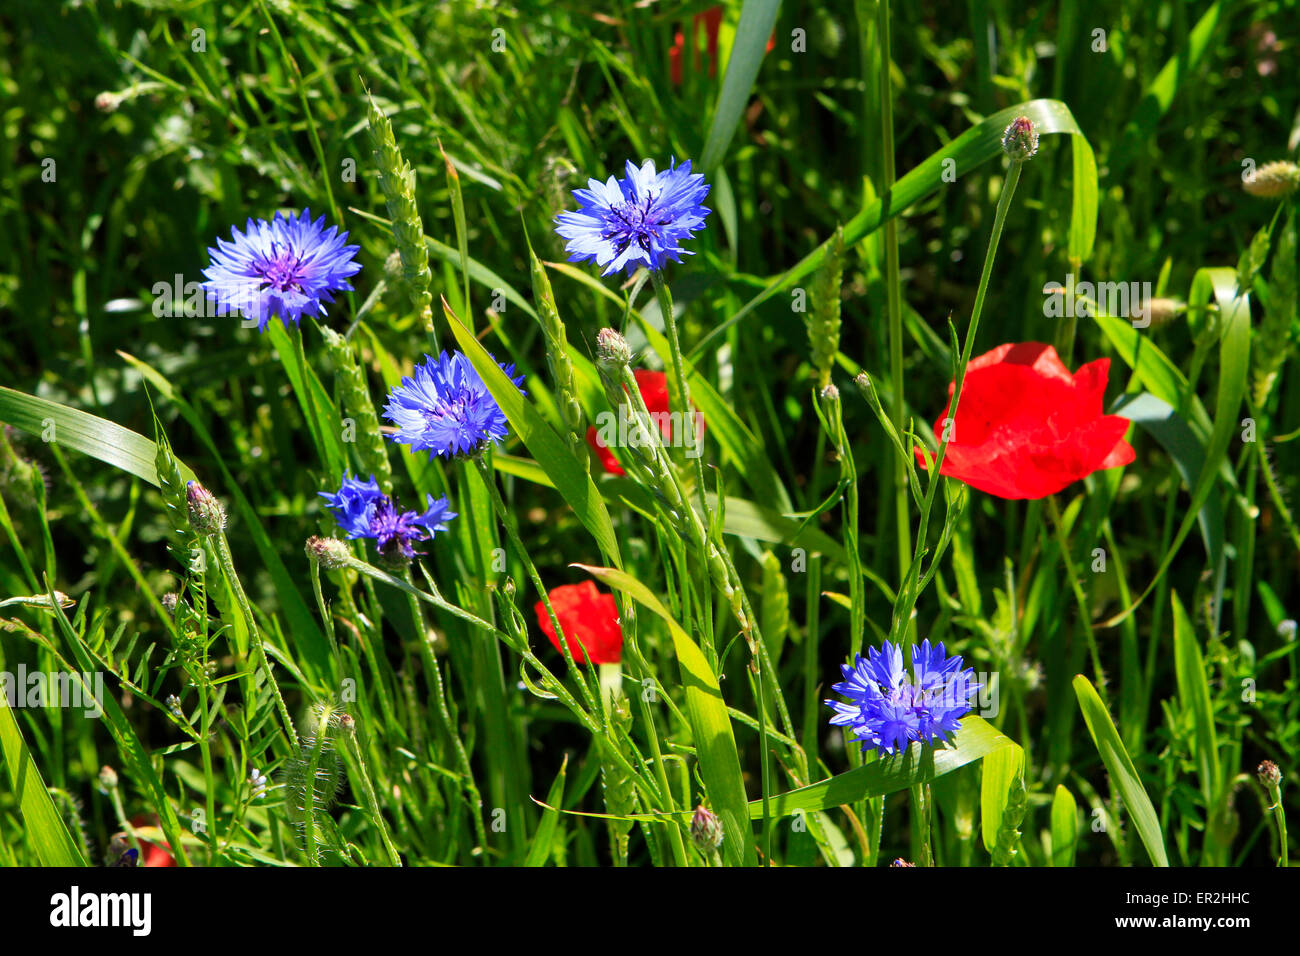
pixel 635 221
pixel 284 272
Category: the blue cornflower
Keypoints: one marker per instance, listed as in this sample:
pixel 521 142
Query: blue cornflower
pixel 636 221
pixel 363 511
pixel 284 267
pixel 888 708
pixel 445 408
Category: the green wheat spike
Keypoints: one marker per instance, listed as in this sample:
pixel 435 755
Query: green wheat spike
pixel 823 321
pixel 351 382
pixel 397 180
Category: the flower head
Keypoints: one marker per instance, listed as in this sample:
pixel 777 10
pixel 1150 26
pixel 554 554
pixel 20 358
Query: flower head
pixel 363 511
pixel 888 708
pixel 1026 427
pixel 636 221
pixel 445 409
pixel 285 267
pixel 589 619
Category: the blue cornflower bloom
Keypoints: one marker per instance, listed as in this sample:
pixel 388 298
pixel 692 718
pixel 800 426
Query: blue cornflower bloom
pixel 285 267
pixel 888 708
pixel 445 409
pixel 363 511
pixel 636 221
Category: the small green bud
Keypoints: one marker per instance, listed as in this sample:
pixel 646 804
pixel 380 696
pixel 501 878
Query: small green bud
pixel 1020 139
pixel 108 777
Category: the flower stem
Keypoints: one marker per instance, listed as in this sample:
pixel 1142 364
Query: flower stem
pixel 892 282
pixel 254 633
pixel 909 592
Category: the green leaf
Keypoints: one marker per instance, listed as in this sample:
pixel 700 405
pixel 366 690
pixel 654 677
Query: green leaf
pixel 551 451
pixel 715 742
pixel 975 738
pixel 1181 443
pixel 1194 692
pixel 1234 368
pixel 1159 95
pixel 83 432
pixel 1083 216
pixel 1119 765
pixel 540 850
pixel 757 18
pixel 1003 770
pixel 1065 827
pixel 42 823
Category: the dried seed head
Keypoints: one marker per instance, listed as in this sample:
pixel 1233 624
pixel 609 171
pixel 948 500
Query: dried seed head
pixel 1274 180
pixel 1162 310
pixel 1020 139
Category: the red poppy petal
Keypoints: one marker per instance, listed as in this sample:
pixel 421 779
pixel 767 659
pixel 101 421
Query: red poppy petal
pixel 607 459
pixel 589 619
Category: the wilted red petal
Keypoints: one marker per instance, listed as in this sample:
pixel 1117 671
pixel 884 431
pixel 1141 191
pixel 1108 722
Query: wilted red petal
pixel 589 619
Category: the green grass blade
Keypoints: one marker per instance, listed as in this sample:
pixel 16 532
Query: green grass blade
pixel 1119 765
pixel 1194 692
pixel 83 432
pixel 44 827
pixel 978 145
pixel 540 851
pixel 1065 827
pixel 1004 769
pixel 757 18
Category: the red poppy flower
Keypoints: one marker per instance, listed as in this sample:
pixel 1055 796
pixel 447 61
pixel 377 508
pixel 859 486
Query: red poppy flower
pixel 1026 427
pixel 152 854
pixel 654 392
pixel 589 618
